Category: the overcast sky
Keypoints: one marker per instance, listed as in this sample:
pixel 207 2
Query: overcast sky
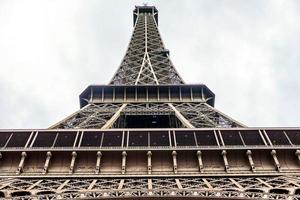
pixel 246 52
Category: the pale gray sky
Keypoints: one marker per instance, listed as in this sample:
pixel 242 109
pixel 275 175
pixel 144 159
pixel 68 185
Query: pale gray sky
pixel 246 52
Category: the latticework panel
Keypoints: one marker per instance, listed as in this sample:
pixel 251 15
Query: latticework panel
pixel 146 60
pixel 227 188
pixel 91 116
pixel 201 115
pixel 148 108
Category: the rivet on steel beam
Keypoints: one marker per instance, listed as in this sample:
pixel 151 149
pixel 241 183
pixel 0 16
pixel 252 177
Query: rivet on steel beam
pixel 47 162
pixel 149 154
pixel 224 155
pixel 273 154
pixel 297 153
pixel 250 159
pixel 124 154
pixel 21 164
pixel 199 155
pixel 98 162
pixel 74 155
pixel 174 155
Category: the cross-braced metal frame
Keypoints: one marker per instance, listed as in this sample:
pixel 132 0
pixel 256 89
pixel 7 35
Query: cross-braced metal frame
pixel 192 115
pixel 225 188
pixel 147 63
pixel 146 60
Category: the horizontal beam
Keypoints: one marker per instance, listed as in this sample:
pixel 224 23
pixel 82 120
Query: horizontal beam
pixel 146 93
pixel 113 139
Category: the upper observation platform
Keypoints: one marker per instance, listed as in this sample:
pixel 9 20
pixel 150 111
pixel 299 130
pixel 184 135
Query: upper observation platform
pixel 145 9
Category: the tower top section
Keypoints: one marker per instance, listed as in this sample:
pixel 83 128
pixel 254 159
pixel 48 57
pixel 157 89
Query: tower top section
pixel 145 9
pixel 146 61
pixel 146 91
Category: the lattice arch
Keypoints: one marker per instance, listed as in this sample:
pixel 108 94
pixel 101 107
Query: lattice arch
pixel 280 187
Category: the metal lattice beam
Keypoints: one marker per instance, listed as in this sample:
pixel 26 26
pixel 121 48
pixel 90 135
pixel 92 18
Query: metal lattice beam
pixel 280 187
pixel 202 115
pixel 91 116
pixel 146 60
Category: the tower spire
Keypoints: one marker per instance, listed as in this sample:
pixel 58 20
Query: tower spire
pixel 145 84
pixel 146 61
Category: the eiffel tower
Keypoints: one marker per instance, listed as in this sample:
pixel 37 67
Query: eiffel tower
pixel 147 134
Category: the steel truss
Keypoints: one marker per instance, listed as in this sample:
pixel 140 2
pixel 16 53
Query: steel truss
pixel 90 116
pixel 202 115
pixel 146 60
pixel 280 187
pixel 193 115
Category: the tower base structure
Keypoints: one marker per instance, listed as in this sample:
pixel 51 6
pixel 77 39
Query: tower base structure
pixel 240 163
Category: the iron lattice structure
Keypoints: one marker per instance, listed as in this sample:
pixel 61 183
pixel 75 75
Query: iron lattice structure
pixel 147 62
pixel 147 134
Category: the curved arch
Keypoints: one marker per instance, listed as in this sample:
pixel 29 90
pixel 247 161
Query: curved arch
pixel 279 191
pixel 297 191
pixel 2 194
pixel 70 193
pixel 45 192
pixel 231 190
pixel 254 190
pixel 20 193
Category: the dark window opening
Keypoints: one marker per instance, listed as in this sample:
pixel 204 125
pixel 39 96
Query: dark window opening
pixel 112 139
pixel 91 139
pixel 148 121
pixel 138 138
pixel 97 93
pixel 159 138
pixel 277 137
pixel 294 136
pixel 152 93
pixel 18 139
pixel 65 139
pixel 108 93
pixel 119 93
pixel 197 92
pixel 44 139
pixel 163 93
pixel 130 93
pixel 206 138
pixel 252 137
pixel 231 138
pixel 3 138
pixel 186 92
pixel 185 138
pixel 174 92
pixel 141 93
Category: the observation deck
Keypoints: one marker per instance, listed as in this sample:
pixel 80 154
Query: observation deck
pixel 172 152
